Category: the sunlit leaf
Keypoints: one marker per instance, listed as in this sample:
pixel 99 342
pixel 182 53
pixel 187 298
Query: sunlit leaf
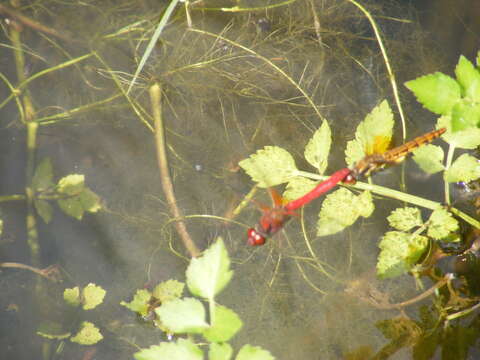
pixel 465 139
pixel 270 166
pixel 465 168
pixel 429 158
pixel 469 78
pixel 44 209
pixel 72 207
pixel 465 116
pixel 89 334
pixel 249 352
pixel 405 218
pixel 441 224
pixel 168 290
pixel 225 325
pixel 183 349
pixel 72 296
pixel 93 296
pixel 209 274
pixel 220 351
pixel 140 301
pixel 72 184
pixel 437 92
pixel 399 253
pixel 43 176
pixel 318 148
pixel 52 330
pixel 341 209
pixel 354 152
pixel 297 187
pixel 183 315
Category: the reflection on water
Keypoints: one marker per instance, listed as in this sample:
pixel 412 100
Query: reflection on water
pixel 220 104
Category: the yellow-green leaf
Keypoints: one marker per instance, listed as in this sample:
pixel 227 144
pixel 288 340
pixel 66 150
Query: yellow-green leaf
pixel 318 148
pixel 93 296
pixel 88 334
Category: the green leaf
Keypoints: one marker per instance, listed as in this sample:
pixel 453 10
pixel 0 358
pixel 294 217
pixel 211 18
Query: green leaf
pixel 405 218
pixel 318 148
pixel 399 253
pixel 89 200
pixel 464 168
pixel 465 116
pixel 72 296
pixel 341 209
pixel 72 184
pixel 429 158
pixel 168 290
pixel 441 224
pixel 270 166
pixel 43 176
pixel 469 78
pixel 93 296
pixel 225 325
pixel 220 351
pixel 44 209
pixel 437 92
pixel 72 207
pixel 88 334
pixel 140 302
pixel 465 139
pixel 297 187
pixel 373 134
pixel 183 349
pixel 210 273
pixel 249 352
pixel 52 330
pixel 183 315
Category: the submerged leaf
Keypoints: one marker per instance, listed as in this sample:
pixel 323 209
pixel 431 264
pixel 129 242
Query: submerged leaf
pixel 399 253
pixel 441 224
pixel 270 166
pixel 183 315
pixel 249 352
pixel 220 351
pixel 209 274
pixel 168 290
pixel 72 207
pixel 43 176
pixel 466 168
pixel 140 302
pixel 318 148
pixel 52 330
pixel 89 334
pixel 44 209
pixel 437 92
pixel 405 218
pixel 183 349
pixel 72 296
pixel 429 158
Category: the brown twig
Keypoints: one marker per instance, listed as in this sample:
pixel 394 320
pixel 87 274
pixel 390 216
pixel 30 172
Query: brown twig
pixel 51 272
pixel 156 101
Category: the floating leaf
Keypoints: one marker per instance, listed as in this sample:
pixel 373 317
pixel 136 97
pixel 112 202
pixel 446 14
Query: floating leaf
pixel 88 334
pixel 220 351
pixel 469 77
pixel 465 168
pixel 183 315
pixel 437 92
pixel 297 187
pixel 441 224
pixel 72 184
pixel 341 209
pixel 52 330
pixel 210 273
pixel 183 349
pixel 225 325
pixel 429 158
pixel 249 352
pixel 72 296
pixel 465 139
pixel 140 302
pixel 405 218
pixel 399 253
pixel 93 296
pixel 270 166
pixel 318 148
pixel 44 209
pixel 168 290
pixel 43 176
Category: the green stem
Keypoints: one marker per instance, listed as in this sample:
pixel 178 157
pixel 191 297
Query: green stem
pixel 12 198
pixel 451 150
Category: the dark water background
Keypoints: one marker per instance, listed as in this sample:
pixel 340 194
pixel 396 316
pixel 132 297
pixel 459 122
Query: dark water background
pixel 215 115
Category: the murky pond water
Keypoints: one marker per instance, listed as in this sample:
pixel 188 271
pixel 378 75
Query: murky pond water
pixel 232 83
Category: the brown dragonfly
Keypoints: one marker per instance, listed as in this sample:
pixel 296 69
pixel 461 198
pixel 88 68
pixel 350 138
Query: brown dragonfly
pixel 374 162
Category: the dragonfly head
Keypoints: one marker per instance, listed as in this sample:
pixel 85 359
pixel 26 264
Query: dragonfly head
pixel 255 238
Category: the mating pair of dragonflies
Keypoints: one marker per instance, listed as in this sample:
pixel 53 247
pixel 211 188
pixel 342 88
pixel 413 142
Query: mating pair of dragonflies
pixel 273 219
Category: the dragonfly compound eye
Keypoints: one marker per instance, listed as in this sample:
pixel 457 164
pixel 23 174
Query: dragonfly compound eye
pixel 254 238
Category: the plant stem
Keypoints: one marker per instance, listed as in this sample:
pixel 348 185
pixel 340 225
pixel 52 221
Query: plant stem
pixel 448 163
pixel 156 102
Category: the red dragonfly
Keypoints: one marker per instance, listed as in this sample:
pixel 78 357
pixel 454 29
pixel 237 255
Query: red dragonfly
pixel 374 162
pixel 273 219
